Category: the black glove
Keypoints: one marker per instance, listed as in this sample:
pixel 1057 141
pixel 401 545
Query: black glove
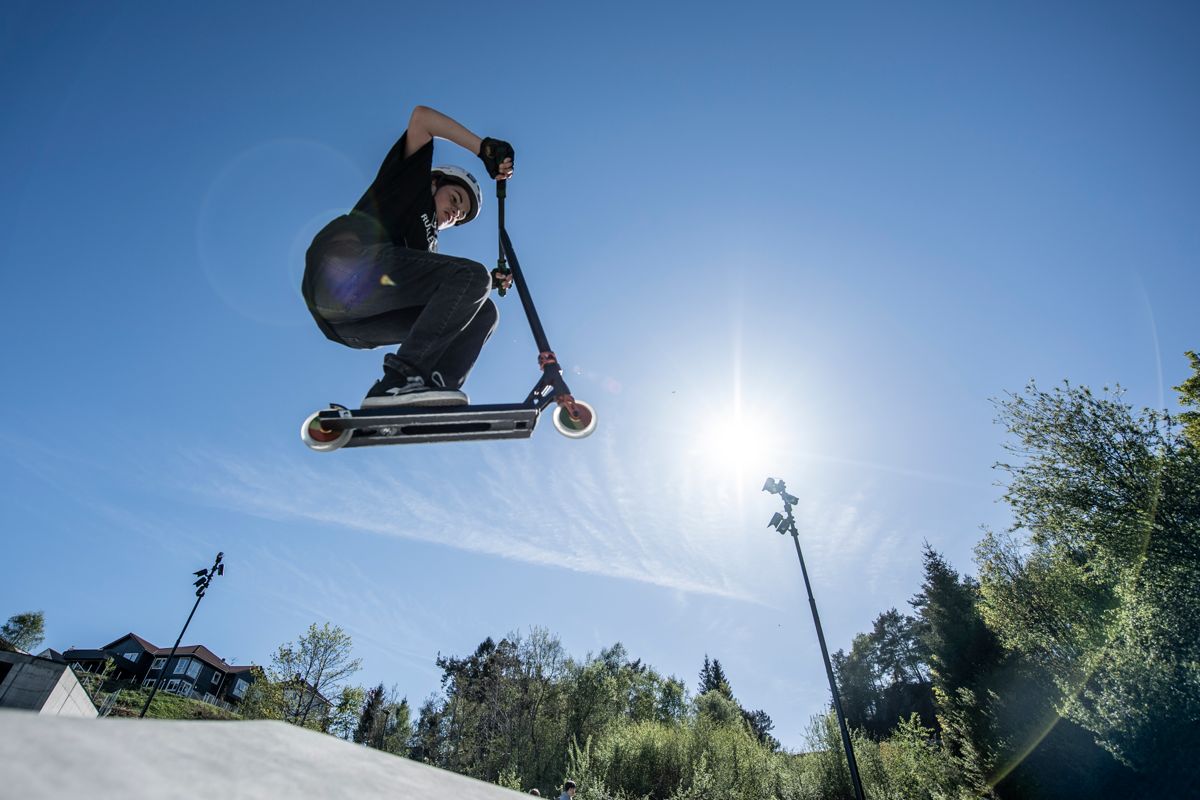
pixel 492 152
pixel 502 279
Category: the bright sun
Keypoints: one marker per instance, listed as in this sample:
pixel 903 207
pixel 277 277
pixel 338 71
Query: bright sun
pixel 736 443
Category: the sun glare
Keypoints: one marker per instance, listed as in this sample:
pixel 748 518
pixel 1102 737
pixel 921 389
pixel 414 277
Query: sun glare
pixel 736 444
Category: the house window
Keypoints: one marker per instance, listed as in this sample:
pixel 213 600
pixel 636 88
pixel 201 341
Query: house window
pixel 193 669
pixel 172 685
pixel 216 678
pixel 149 683
pixel 133 656
pixel 239 688
pixel 208 698
pixel 180 666
pixel 159 663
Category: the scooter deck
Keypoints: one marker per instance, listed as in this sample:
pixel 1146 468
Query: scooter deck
pixel 420 424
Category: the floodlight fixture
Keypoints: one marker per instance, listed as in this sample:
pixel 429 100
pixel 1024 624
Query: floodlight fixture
pixel 778 522
pixel 780 488
pixel 200 573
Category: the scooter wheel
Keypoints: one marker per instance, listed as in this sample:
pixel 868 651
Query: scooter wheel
pixel 575 427
pixel 321 439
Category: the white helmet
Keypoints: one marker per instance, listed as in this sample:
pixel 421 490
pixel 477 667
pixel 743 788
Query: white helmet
pixel 458 175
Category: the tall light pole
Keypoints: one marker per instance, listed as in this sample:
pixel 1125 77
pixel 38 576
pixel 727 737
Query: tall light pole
pixel 786 523
pixel 203 578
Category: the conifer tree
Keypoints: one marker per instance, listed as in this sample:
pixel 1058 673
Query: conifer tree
pixel 371 714
pixel 712 678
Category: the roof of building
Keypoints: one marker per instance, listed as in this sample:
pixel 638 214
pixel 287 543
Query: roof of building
pixel 145 645
pixel 197 651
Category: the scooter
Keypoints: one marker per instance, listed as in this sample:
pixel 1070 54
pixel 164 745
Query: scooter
pixel 338 426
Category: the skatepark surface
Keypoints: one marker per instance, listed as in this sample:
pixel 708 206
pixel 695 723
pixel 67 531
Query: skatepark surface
pixel 48 756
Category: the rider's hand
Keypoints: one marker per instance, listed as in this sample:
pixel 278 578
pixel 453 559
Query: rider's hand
pixel 497 157
pixel 501 279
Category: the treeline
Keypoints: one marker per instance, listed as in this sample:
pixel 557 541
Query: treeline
pixel 522 713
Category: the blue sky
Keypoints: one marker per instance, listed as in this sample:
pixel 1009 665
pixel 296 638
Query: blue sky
pixel 803 241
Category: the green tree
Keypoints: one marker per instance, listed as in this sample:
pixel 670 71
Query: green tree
pixel 311 672
pixel 883 679
pixel 398 730
pixel 24 631
pixel 672 701
pixel 483 698
pixel 430 740
pixel 1098 582
pixel 915 767
pixel 858 682
pixel 343 714
pixel 900 652
pixel 370 719
pixel 712 678
pixel 384 721
pixel 541 700
pixel 1189 395
pixel 965 659
pixel 264 699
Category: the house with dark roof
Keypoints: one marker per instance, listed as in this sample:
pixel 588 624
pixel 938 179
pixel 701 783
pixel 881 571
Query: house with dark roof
pixel 194 671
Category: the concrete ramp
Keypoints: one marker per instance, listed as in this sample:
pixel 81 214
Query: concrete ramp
pixel 43 756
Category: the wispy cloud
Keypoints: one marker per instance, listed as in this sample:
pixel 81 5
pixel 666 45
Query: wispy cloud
pixel 583 507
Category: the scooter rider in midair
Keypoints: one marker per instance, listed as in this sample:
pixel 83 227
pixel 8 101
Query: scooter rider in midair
pixel 373 277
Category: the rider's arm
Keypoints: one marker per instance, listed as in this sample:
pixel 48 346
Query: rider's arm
pixel 426 123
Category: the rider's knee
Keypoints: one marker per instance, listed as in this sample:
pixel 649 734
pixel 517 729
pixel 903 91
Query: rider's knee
pixel 488 314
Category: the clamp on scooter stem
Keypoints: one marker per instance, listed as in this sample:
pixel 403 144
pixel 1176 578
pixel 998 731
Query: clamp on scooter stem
pixel 568 402
pixel 552 374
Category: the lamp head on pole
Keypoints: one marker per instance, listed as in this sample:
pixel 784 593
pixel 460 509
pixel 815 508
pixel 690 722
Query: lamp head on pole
pixel 780 488
pixel 779 522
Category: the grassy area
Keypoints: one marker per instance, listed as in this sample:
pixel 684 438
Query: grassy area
pixel 166 706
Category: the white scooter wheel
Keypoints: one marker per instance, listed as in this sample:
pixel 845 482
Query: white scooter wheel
pixel 319 438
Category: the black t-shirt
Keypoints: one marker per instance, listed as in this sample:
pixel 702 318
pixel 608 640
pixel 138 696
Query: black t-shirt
pixel 401 200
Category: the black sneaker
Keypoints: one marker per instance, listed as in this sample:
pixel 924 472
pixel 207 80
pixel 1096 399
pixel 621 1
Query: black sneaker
pixel 400 389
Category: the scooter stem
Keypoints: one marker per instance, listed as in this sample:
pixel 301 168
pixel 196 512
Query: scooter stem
pixel 547 362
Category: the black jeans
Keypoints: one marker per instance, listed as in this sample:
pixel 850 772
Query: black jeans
pixel 370 293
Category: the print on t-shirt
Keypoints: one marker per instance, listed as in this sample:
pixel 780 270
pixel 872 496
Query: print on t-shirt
pixel 400 198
